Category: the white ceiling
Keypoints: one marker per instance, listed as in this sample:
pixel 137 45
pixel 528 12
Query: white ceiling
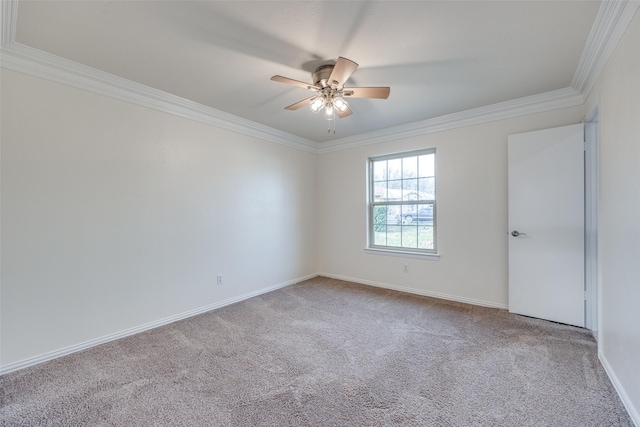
pixel 438 57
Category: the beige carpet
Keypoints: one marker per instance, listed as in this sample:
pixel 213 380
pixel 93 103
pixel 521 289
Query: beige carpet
pixel 327 353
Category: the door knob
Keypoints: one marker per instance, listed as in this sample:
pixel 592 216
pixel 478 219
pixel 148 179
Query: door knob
pixel 516 233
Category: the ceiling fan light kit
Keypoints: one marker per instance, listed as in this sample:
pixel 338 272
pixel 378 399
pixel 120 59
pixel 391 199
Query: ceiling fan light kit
pixel 328 84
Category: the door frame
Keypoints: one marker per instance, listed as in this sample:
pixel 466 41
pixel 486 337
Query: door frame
pixel 592 294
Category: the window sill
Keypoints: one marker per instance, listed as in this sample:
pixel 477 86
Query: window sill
pixel 403 254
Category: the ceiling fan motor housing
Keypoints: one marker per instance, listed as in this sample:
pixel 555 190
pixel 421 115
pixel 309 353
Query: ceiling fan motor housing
pixel 321 75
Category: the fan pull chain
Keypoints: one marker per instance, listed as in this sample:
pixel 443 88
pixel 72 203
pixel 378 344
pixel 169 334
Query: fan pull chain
pixel 334 126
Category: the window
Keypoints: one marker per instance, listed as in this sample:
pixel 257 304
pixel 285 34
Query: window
pixel 402 202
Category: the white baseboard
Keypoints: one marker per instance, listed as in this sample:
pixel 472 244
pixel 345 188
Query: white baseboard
pixel 626 401
pixel 135 330
pixel 417 291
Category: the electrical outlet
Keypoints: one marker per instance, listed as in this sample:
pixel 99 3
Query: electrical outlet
pixel 405 268
pixel 219 279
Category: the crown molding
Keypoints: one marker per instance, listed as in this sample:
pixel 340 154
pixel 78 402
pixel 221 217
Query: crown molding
pixel 614 16
pixel 9 18
pixel 561 98
pixel 27 60
pixel 612 20
pixel 24 59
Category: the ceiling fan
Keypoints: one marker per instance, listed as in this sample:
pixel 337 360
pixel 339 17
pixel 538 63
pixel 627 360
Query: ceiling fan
pixel 328 84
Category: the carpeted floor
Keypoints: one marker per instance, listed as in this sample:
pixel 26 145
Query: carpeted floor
pixel 327 353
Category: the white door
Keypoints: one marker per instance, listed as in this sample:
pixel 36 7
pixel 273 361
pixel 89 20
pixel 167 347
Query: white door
pixel 546 224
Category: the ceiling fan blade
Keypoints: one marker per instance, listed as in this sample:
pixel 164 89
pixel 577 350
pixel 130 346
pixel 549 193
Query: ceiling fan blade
pixel 341 72
pixel 298 83
pixel 345 113
pixel 300 104
pixel 367 92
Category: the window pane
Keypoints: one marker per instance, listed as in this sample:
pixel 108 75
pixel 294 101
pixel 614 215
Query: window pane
pixel 393 215
pixel 394 193
pixel 425 214
pixel 380 170
pixel 426 188
pixel 425 237
pixel 409 189
pixel 395 169
pixel 393 235
pixel 380 237
pixel 409 167
pixel 380 191
pixel 409 236
pixel 409 213
pixel 427 165
pixel 379 215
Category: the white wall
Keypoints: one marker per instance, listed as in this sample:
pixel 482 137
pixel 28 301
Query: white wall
pixel 114 216
pixel 471 211
pixel 617 96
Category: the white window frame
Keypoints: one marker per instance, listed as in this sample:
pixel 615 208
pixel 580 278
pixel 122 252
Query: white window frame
pixel 371 203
